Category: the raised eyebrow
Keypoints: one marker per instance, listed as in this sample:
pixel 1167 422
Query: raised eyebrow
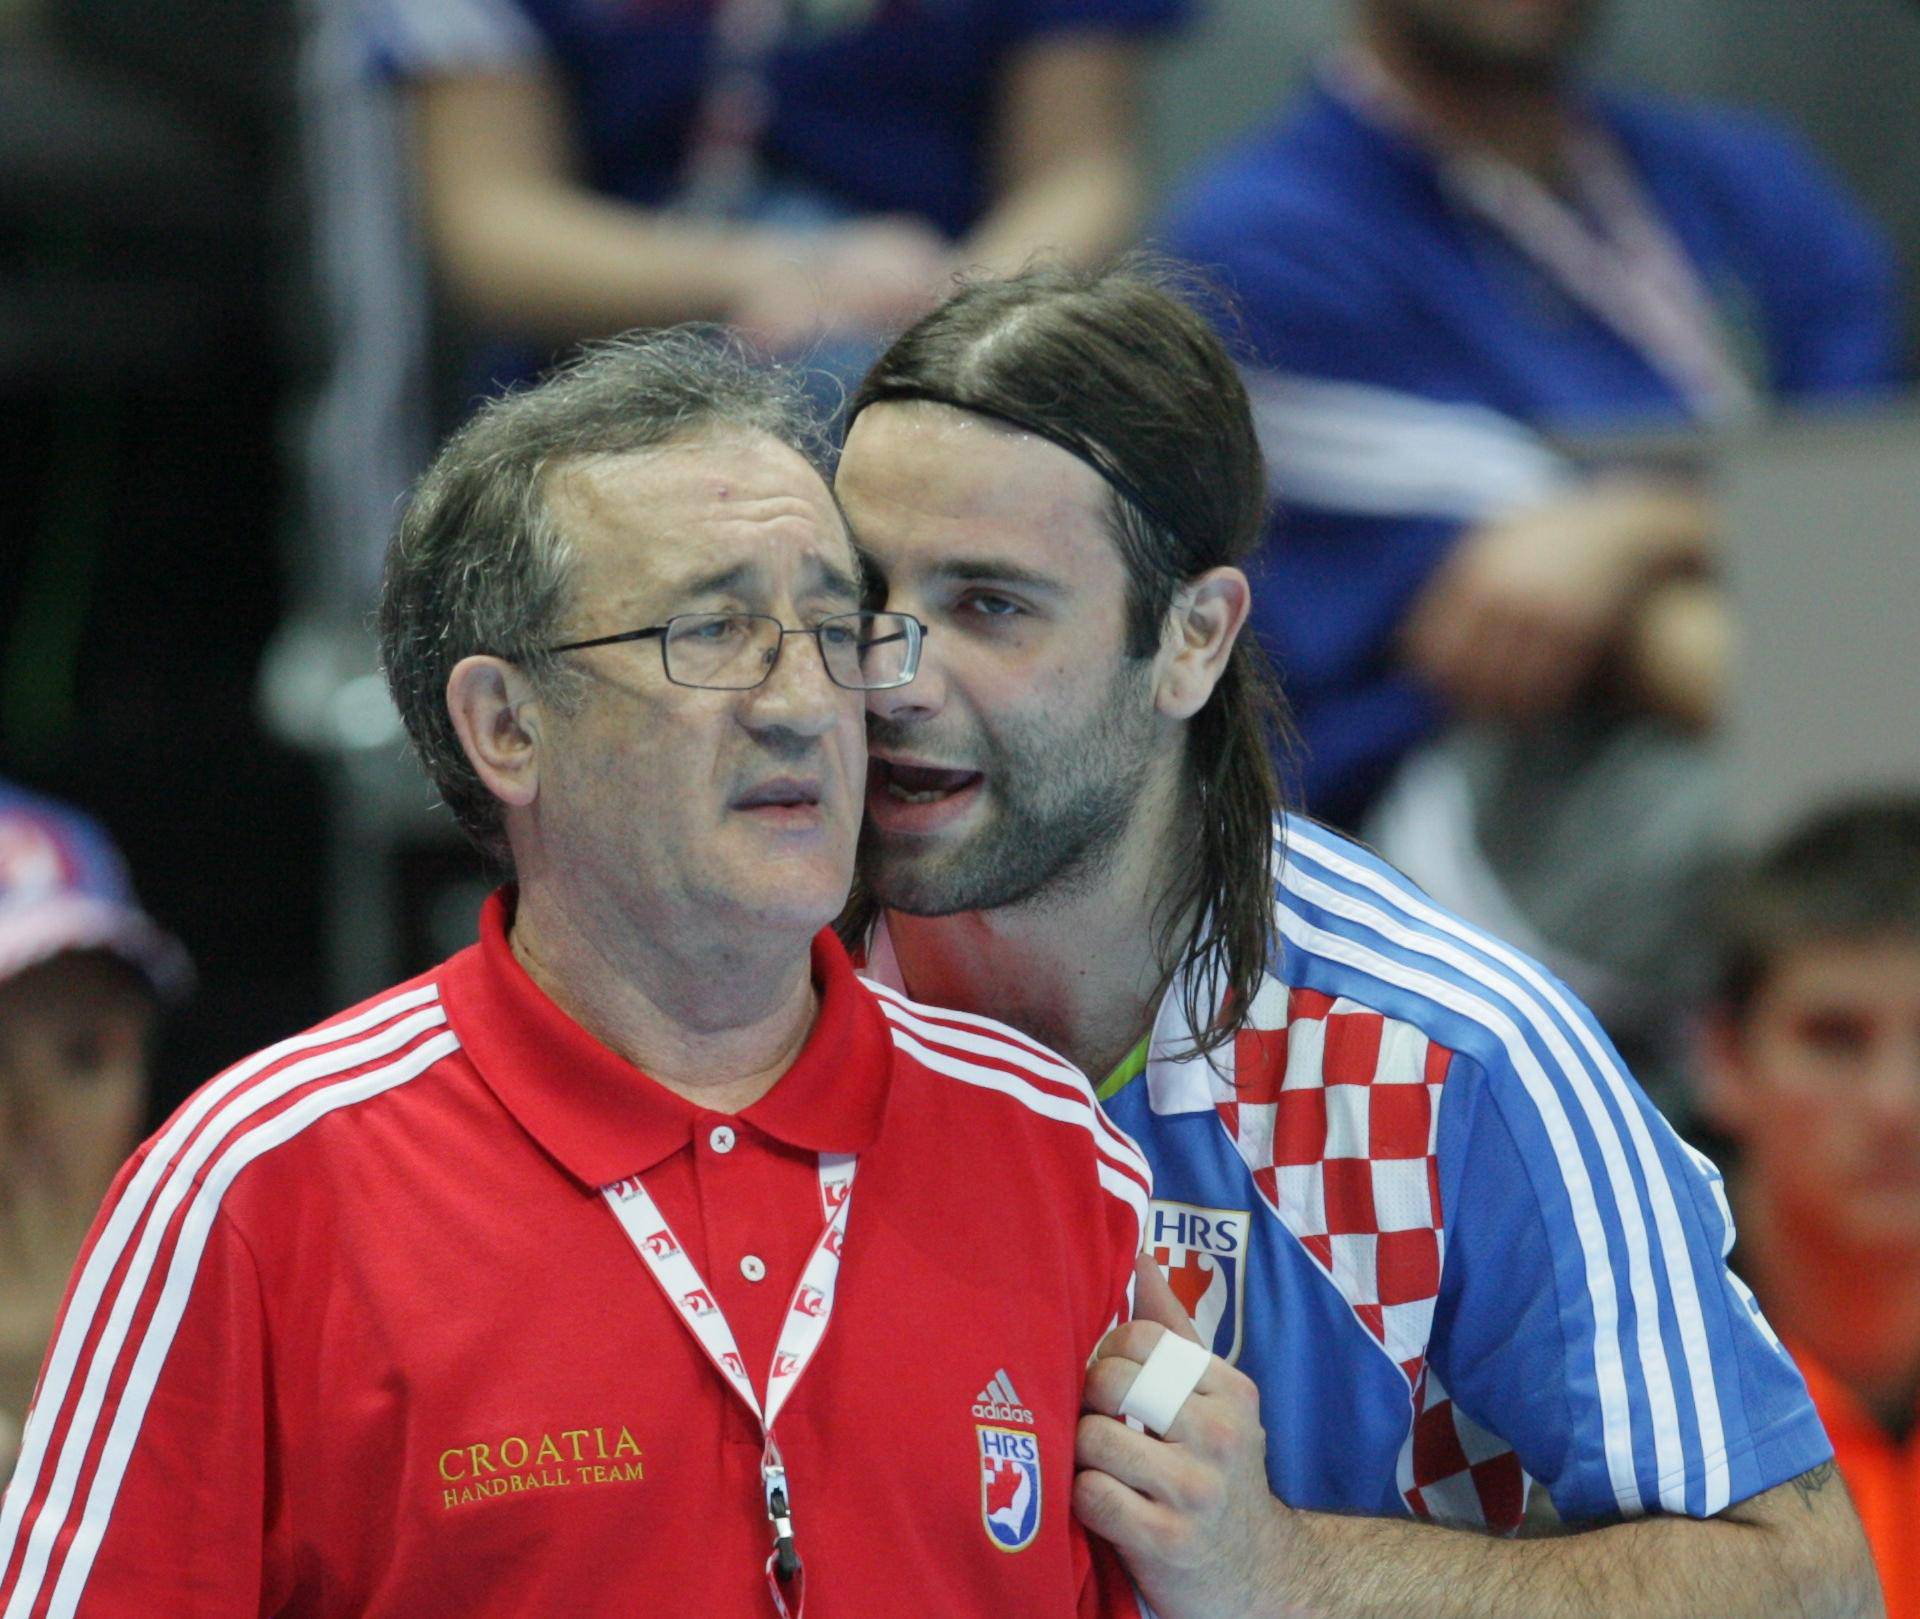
pixel 823 579
pixel 718 583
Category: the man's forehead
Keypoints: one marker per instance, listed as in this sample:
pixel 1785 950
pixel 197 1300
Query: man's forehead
pixel 1837 968
pixel 985 496
pixel 728 471
pixel 977 462
pixel 698 507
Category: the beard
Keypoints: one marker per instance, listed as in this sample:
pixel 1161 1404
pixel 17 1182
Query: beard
pixel 1059 804
pixel 1453 46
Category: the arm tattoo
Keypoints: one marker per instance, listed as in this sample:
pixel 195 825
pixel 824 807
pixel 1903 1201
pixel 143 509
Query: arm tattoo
pixel 1810 1484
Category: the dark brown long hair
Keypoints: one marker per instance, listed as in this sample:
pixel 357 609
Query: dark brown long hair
pixel 1121 368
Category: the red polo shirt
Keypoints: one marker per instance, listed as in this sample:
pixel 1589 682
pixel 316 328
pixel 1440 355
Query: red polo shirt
pixel 357 1333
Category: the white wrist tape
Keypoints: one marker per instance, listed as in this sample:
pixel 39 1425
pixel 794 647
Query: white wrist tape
pixel 1173 1369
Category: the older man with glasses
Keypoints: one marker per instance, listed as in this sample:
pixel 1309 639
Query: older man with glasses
pixel 641 1258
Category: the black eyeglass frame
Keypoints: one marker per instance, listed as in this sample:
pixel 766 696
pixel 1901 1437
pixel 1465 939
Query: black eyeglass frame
pixel 916 634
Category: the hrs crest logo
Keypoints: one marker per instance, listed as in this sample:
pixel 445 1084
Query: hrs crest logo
pixel 1204 1254
pixel 1009 1467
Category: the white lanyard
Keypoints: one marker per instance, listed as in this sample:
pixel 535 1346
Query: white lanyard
pixel 1630 272
pixel 801 1332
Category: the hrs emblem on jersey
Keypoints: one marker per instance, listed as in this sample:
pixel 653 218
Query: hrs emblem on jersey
pixel 1204 1253
pixel 1009 1466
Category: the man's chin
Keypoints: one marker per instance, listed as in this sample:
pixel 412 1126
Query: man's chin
pixel 900 885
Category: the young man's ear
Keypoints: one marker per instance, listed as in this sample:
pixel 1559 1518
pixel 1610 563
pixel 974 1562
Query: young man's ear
pixel 1722 1083
pixel 491 701
pixel 1207 616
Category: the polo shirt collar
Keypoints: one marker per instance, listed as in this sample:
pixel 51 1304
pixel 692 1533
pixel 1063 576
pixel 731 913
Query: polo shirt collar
pixel 602 1118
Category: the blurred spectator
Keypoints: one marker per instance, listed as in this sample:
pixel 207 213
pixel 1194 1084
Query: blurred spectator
pixel 145 237
pixel 1482 297
pixel 812 174
pixel 807 173
pixel 82 970
pixel 1810 1065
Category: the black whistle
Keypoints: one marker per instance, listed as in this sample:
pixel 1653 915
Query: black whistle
pixel 786 1556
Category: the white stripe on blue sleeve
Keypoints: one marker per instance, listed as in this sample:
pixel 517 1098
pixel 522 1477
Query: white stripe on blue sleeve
pixel 1382 925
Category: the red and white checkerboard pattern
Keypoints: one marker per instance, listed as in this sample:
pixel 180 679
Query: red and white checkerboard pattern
pixel 1335 1110
pixel 1453 1471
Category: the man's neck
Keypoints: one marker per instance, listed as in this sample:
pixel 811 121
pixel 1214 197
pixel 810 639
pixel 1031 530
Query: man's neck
pixel 1856 1310
pixel 1519 119
pixel 716 1023
pixel 1079 970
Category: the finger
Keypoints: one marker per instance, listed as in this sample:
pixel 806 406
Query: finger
pixel 1132 1523
pixel 1157 1469
pixel 1133 1340
pixel 1153 1299
pixel 1137 1460
pixel 1108 1380
pixel 1217 1420
pixel 1167 1380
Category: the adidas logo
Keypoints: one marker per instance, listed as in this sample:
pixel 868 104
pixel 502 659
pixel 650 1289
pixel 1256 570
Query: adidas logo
pixel 998 1403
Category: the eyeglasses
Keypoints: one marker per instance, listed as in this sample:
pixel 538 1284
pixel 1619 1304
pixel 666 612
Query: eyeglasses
pixel 737 651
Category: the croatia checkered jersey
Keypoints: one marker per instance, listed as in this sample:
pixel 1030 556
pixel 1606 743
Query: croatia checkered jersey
pixel 1423 1205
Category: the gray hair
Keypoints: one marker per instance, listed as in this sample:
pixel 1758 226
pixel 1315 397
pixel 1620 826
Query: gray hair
pixel 479 565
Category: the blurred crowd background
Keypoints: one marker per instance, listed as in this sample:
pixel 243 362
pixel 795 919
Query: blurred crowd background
pixel 256 257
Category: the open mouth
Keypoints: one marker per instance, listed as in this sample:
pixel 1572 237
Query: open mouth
pixel 919 784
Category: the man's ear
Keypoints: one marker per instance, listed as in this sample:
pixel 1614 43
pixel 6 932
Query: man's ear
pixel 498 721
pixel 1207 616
pixel 1723 1085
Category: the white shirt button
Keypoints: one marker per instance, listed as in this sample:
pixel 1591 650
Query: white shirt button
pixel 722 1139
pixel 753 1267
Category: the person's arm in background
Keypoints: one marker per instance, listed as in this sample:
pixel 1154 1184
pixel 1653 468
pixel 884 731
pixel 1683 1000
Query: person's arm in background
pixel 1676 656
pixel 1065 159
pixel 526 246
pixel 1525 609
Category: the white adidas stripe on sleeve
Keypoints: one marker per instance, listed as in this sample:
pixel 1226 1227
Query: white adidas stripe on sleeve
pixel 1531 993
pixel 1120 1183
pixel 148 1363
pixel 982 1037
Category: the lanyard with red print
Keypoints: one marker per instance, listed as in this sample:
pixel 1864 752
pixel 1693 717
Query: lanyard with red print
pixel 801 1333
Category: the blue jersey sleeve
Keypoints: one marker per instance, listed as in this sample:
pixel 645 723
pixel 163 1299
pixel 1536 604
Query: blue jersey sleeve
pixel 1586 1314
